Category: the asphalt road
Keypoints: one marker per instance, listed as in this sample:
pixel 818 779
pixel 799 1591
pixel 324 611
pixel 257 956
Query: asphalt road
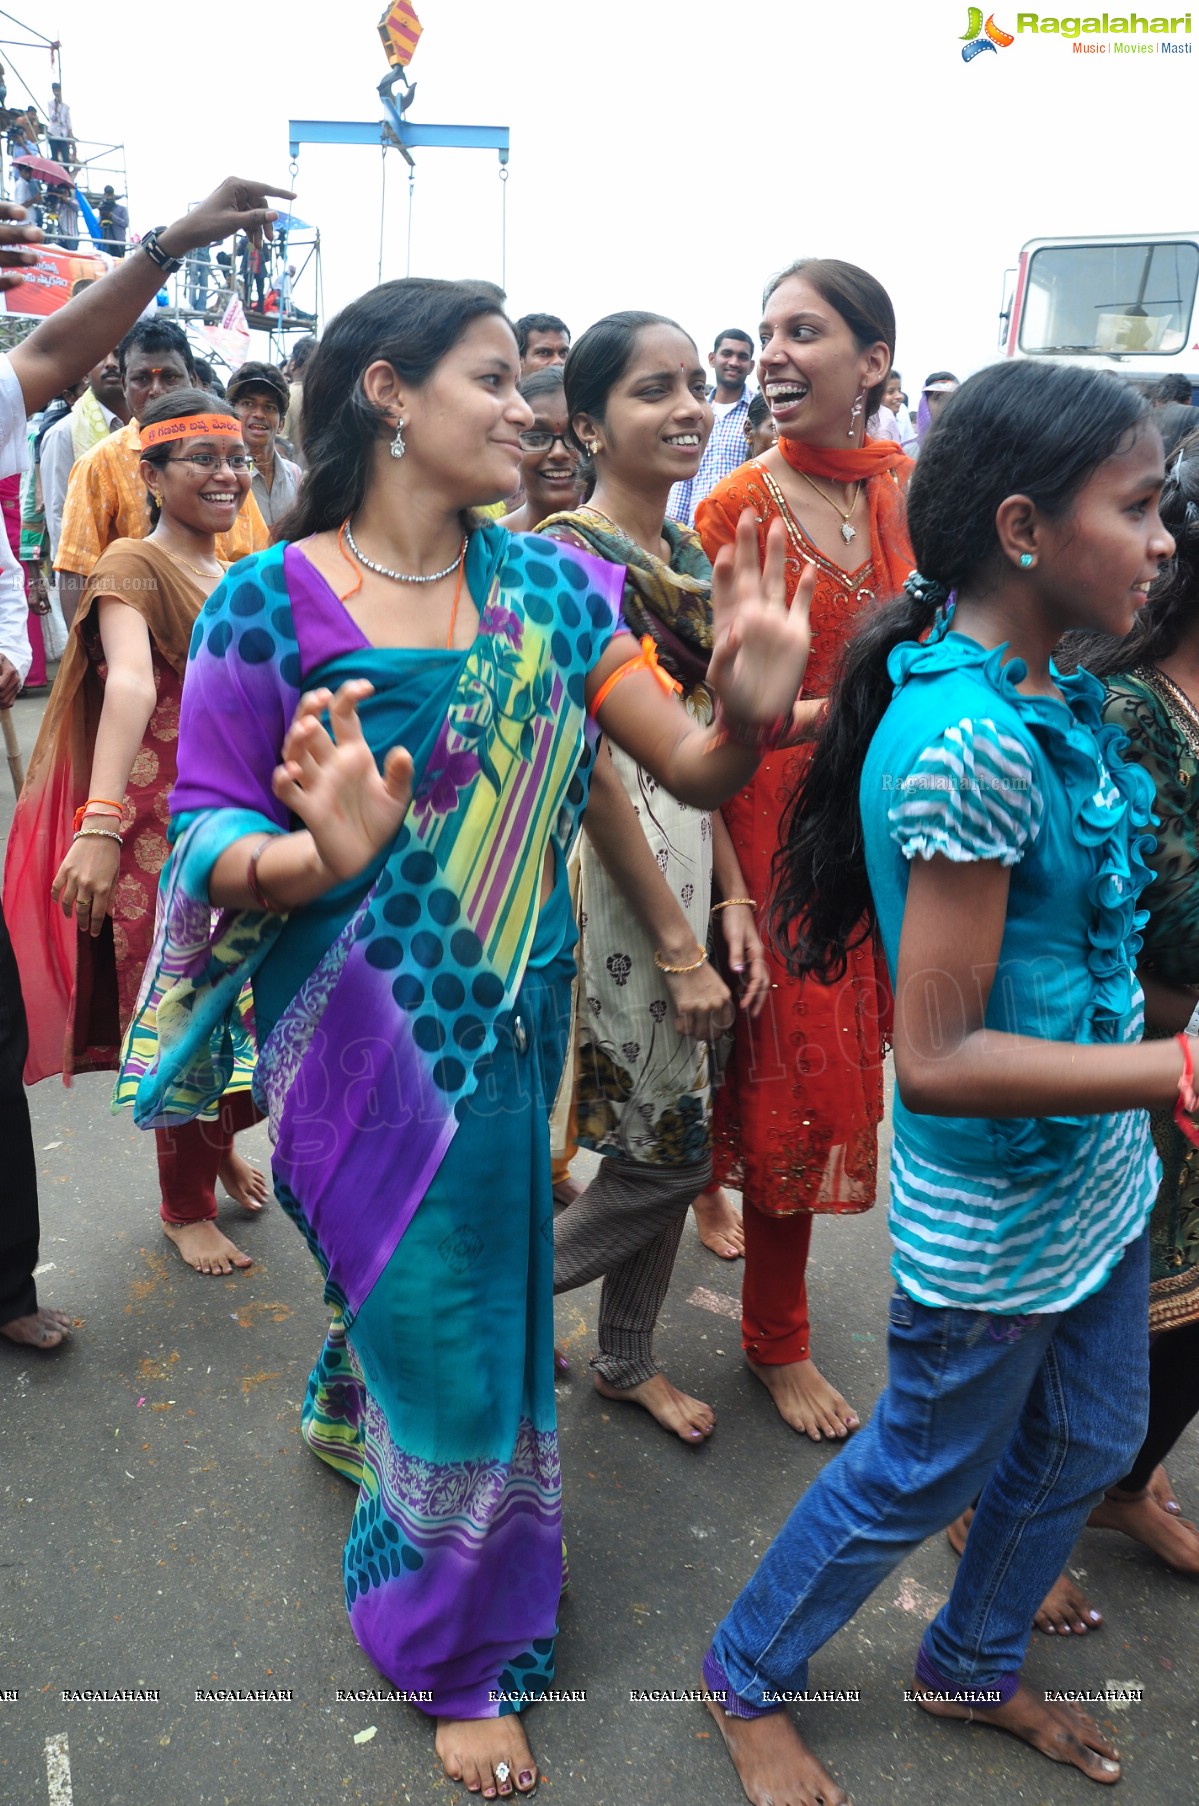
pixel 164 1528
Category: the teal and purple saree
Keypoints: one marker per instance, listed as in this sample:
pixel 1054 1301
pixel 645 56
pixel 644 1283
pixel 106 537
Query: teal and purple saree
pixel 411 1027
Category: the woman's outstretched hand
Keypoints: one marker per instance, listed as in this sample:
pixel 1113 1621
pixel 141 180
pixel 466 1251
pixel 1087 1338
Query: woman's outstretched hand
pixel 331 781
pixel 759 645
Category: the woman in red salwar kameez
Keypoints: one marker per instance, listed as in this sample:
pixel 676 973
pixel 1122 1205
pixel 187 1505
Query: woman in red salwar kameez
pixel 797 1119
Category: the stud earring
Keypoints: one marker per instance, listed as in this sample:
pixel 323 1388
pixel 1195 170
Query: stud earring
pixel 398 448
pixel 854 412
pixel 1027 561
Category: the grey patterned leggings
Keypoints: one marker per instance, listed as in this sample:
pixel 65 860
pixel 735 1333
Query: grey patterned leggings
pixel 626 1226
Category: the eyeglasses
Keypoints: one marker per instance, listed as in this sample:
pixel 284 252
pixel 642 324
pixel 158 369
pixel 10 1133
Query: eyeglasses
pixel 207 461
pixel 540 439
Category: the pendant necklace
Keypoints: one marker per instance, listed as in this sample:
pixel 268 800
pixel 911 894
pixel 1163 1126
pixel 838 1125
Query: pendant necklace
pixel 848 533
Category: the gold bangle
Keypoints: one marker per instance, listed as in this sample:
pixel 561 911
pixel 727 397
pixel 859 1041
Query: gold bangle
pixel 693 967
pixel 731 902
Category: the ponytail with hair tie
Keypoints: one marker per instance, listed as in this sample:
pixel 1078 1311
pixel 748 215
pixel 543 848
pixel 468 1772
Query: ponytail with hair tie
pixel 930 593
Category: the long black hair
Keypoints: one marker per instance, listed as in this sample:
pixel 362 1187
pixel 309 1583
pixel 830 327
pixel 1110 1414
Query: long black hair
pixel 1014 429
pixel 411 325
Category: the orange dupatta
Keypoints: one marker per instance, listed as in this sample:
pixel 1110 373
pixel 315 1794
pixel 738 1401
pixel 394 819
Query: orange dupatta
pixel 890 548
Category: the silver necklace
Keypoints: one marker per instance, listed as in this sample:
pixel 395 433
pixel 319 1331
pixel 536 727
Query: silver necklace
pixel 381 570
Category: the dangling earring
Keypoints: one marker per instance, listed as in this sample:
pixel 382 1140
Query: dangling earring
pixel 854 412
pixel 398 448
pixel 593 446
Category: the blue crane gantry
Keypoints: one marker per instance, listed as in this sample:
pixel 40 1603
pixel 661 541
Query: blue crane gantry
pixel 395 132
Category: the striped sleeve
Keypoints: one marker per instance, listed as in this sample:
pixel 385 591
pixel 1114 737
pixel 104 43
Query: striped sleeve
pixel 970 795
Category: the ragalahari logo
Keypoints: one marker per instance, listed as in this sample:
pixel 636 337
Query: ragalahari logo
pixel 974 42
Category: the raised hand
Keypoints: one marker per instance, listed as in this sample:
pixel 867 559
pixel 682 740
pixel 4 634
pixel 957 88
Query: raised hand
pixel 333 784
pixel 238 205
pixel 760 646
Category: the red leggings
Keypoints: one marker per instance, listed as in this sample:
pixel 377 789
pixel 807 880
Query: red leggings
pixel 774 1293
pixel 190 1154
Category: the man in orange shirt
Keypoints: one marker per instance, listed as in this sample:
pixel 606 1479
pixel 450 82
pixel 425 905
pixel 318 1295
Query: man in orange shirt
pixel 106 498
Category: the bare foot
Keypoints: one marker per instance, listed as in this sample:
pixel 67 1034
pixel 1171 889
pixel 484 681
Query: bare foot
pixel 490 1756
pixel 203 1247
pixel 1147 1521
pixel 1065 1610
pixel 773 1763
pixel 805 1399
pixel 687 1418
pixel 244 1183
pixel 720 1226
pixel 1060 1731
pixel 44 1329
pixel 566 1191
pixel 1163 1492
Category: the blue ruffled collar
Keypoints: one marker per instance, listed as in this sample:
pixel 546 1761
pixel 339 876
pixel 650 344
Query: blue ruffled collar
pixel 1082 694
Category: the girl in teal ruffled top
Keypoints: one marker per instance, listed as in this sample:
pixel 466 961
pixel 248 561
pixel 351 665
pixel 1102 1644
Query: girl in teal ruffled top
pixel 971 805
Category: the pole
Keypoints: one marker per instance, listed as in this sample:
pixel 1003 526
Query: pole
pixel 382 212
pixel 12 747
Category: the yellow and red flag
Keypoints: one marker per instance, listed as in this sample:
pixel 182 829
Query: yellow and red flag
pixel 399 29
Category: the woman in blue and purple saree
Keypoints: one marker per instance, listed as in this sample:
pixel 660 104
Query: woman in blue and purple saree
pixel 383 757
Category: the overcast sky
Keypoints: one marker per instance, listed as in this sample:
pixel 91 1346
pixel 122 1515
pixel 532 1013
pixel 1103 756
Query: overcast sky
pixel 666 154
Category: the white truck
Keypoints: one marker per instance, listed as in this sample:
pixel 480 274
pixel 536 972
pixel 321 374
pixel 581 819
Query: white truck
pixel 1121 302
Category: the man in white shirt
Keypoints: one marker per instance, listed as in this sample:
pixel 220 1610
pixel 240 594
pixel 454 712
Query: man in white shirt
pixel 58 353
pixel 100 410
pixel 60 134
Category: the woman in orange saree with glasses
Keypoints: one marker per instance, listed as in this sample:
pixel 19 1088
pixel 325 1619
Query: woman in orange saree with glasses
pixel 797 1118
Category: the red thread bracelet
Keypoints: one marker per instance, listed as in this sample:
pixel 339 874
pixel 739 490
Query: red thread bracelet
pixel 1187 1103
pixel 769 737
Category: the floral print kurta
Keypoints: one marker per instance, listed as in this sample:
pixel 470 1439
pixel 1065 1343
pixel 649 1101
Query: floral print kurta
pixel 643 1089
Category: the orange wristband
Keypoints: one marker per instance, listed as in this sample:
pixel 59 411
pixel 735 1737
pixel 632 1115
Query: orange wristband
pixel 101 804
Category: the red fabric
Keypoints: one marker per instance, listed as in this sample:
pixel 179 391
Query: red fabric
pixel 10 505
pixel 774 1293
pixel 796 1120
pixel 81 991
pixel 189 1157
pixel 108 969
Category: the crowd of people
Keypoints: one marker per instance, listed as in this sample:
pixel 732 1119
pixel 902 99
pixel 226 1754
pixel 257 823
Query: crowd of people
pixel 260 271
pixel 585 748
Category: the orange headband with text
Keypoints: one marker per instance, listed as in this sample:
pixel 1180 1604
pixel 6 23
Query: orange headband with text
pixel 188 426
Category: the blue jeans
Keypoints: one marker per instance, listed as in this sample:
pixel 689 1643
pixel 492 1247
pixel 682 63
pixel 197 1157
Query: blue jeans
pixel 1037 1414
